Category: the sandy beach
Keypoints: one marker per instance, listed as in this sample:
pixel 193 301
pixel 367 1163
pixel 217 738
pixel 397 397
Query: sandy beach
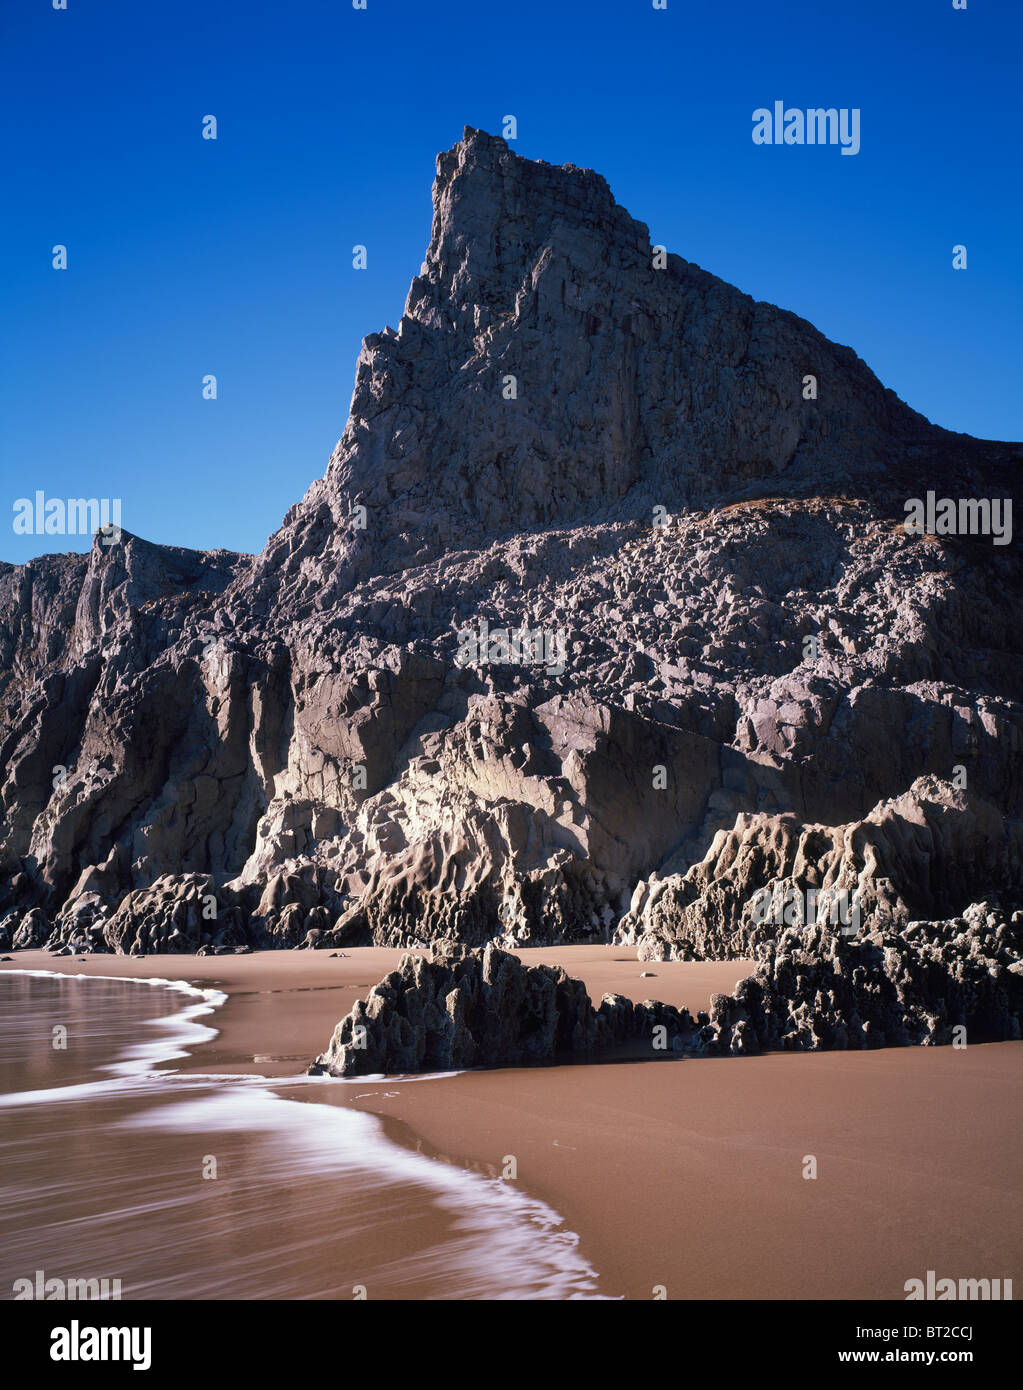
pixel 282 1005
pixel 686 1175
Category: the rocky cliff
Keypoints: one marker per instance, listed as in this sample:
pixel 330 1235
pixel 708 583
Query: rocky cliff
pixel 601 620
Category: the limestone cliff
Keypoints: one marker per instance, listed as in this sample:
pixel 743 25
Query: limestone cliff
pixel 740 670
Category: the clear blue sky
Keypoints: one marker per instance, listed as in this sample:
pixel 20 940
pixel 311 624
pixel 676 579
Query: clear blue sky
pixel 233 257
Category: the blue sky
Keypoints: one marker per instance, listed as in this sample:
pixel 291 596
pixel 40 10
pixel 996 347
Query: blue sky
pixel 233 257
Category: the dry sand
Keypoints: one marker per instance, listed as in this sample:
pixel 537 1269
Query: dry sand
pixel 681 1173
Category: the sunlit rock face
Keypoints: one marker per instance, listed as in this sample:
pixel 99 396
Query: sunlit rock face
pixel 600 621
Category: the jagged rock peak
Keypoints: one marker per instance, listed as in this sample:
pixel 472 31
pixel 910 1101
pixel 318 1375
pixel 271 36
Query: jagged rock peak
pixel 550 369
pixel 493 214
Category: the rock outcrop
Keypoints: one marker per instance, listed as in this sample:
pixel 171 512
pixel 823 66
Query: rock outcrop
pixel 908 858
pixel 739 669
pixel 815 990
pixel 462 1008
pixel 935 983
pixel 818 990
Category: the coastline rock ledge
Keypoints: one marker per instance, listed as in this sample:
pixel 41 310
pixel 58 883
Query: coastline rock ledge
pixel 813 989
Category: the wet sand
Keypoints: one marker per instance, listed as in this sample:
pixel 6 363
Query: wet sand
pixel 168 1185
pixel 686 1174
pixel 689 1174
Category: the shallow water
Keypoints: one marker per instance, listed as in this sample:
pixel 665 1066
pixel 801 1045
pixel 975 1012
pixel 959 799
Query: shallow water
pixel 221 1187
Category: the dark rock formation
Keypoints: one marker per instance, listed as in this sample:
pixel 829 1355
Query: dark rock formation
pixel 462 1008
pixel 776 683
pixel 817 990
pixel 814 990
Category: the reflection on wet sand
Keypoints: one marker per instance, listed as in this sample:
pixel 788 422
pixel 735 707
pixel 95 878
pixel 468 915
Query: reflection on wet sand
pixel 195 1187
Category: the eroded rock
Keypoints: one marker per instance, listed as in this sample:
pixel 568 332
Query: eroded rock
pixel 727 699
pixel 956 981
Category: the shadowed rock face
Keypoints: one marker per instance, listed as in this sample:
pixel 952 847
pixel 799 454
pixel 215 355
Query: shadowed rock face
pixel 462 1008
pixel 307 740
pixel 814 990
